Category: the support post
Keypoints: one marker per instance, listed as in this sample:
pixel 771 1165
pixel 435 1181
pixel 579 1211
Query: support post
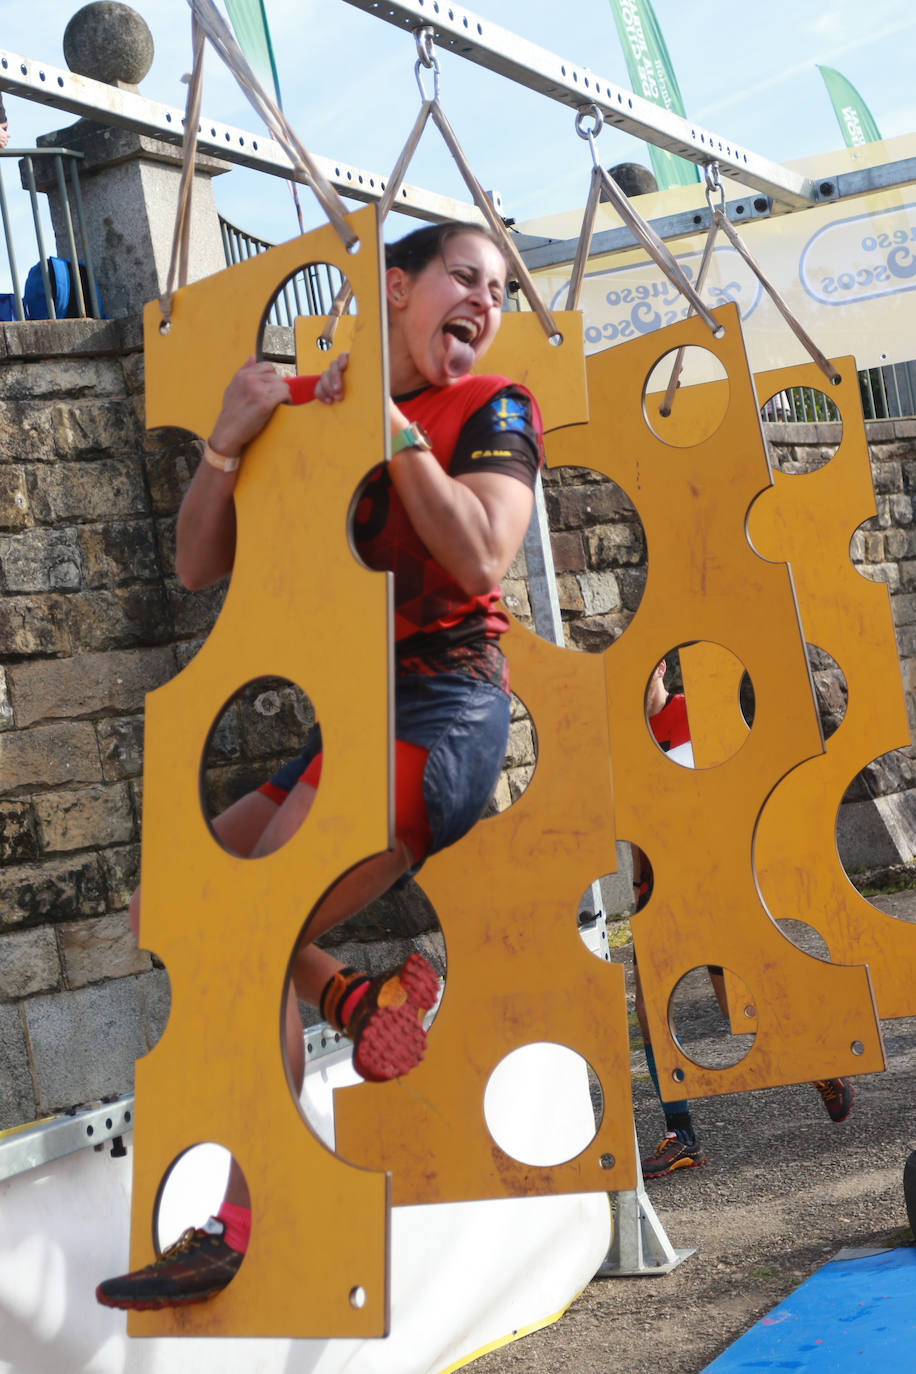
pixel 640 1245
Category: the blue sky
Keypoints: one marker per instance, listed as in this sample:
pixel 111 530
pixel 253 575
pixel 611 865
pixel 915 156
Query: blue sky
pixel 746 72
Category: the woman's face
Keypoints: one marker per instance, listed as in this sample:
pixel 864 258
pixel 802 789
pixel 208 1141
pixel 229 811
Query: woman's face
pixel 445 318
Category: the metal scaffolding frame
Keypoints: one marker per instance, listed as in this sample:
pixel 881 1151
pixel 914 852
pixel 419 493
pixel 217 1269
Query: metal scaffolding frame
pixel 80 95
pixel 778 189
pixel 460 31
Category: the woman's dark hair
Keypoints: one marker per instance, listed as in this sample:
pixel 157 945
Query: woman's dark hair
pixel 416 250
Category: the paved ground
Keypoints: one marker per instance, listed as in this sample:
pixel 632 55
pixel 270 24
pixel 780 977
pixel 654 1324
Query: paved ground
pixel 783 1190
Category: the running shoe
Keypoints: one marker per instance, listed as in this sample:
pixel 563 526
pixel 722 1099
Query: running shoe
pixel 198 1266
pixel 386 1025
pixel 837 1096
pixel 669 1154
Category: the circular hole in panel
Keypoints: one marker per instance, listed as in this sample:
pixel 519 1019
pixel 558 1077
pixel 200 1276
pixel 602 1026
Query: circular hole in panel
pixel 694 410
pixel 192 1190
pixel 697 702
pixel 357 1296
pixel 857 1047
pixel 396 925
pixel 864 839
pixel 870 548
pixel 520 760
pixel 599 553
pixel 610 929
pixel 367 517
pixel 307 294
pixel 868 553
pixel 747 702
pixel 805 937
pixel 261 729
pixel 539 1104
pixel 703 1007
pixel 643 878
pixel 830 688
pixel 798 405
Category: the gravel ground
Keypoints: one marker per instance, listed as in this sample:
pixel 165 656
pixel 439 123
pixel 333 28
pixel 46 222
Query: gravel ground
pixel 783 1190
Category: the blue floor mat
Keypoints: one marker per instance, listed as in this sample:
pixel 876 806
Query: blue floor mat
pixel 858 1313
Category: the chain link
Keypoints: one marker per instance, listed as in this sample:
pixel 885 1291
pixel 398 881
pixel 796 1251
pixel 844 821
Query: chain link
pixel 426 59
pixel 713 184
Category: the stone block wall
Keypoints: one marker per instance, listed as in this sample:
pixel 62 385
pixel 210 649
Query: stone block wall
pixel 92 618
pixel 85 631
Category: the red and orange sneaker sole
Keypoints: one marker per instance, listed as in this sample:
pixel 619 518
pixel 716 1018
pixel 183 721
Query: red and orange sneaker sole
pixel 386 1026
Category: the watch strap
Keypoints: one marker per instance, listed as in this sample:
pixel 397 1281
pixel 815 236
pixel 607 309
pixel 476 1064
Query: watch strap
pixel 411 437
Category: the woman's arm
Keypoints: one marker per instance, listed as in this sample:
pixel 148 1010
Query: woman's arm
pixel 205 534
pixel 473 524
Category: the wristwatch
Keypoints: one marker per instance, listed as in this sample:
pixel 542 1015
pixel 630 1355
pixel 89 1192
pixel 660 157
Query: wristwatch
pixel 414 436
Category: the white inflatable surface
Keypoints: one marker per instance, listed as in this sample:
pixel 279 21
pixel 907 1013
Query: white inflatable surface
pixel 465 1277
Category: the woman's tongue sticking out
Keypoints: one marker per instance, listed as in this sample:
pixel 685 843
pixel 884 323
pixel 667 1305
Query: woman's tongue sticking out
pixel 457 351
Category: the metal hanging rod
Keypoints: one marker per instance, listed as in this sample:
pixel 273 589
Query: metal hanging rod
pixel 467 34
pixel 106 104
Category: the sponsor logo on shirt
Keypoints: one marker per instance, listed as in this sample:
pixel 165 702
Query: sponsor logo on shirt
pixel 510 414
pixel 492 453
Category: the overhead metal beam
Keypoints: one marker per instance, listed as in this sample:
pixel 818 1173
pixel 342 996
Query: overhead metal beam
pixel 467 34
pixel 540 252
pixel 106 104
pixel 524 62
pixel 546 252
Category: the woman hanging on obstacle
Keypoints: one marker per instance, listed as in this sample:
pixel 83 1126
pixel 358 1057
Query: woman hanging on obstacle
pixel 446 516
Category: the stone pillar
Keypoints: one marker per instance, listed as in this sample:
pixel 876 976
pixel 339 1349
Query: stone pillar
pixel 129 182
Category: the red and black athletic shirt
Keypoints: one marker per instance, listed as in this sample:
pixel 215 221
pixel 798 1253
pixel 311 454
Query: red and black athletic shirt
pixel 670 725
pixel 478 424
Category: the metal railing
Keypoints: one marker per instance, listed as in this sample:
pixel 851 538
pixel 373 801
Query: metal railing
pixel 800 405
pixel 888 393
pixel 68 286
pixel 309 292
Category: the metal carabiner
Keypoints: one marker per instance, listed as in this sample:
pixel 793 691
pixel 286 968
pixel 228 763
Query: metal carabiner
pixel 426 57
pixel 713 184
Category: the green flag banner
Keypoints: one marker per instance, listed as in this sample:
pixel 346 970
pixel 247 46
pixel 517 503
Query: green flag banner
pixel 853 115
pixel 249 21
pixel 652 76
